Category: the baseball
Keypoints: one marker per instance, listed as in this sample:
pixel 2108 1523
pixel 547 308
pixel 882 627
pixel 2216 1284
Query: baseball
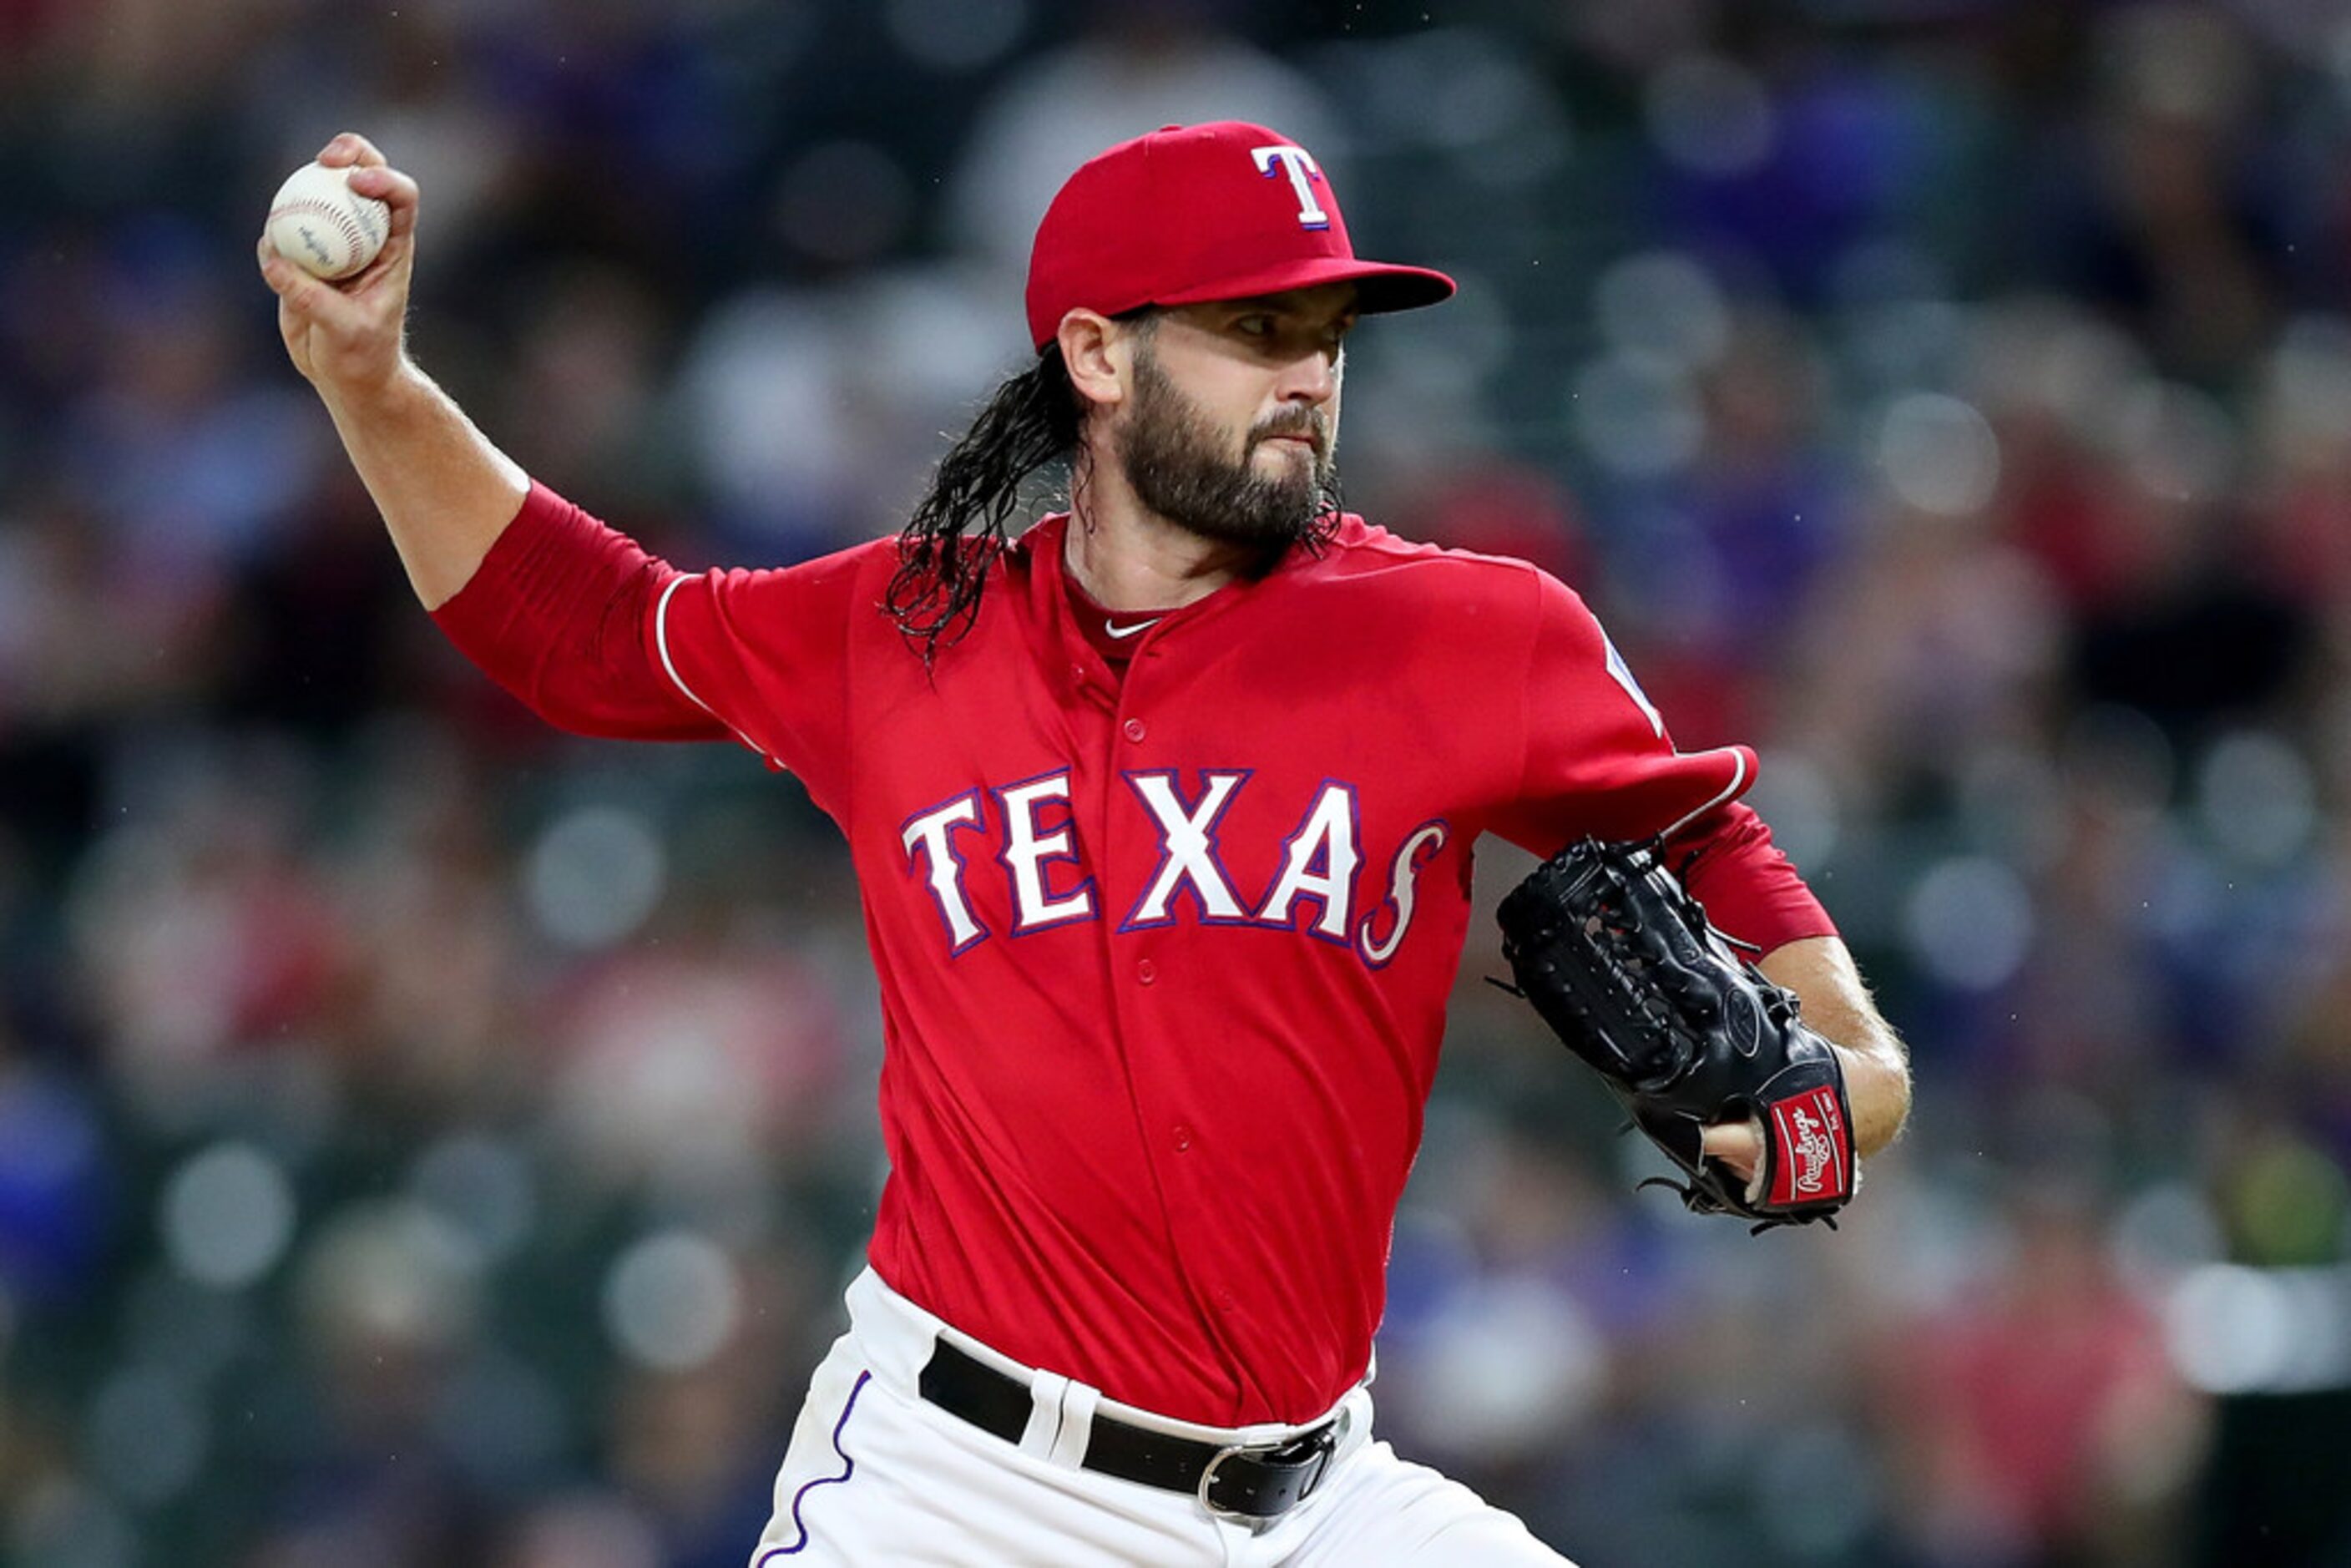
pixel 322 225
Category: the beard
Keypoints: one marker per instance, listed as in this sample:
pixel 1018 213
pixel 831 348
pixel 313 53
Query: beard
pixel 1173 458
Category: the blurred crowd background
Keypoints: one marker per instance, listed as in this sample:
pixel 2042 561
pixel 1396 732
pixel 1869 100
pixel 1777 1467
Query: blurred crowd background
pixel 426 1139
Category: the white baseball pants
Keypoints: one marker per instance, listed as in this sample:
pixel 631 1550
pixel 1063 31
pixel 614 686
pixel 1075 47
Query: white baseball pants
pixel 875 1475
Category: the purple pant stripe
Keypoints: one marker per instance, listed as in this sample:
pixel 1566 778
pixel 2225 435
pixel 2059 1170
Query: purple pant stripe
pixel 848 1468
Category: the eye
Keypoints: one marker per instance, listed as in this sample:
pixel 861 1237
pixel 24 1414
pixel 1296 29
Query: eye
pixel 1257 324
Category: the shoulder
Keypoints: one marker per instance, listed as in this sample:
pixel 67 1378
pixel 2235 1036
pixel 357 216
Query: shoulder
pixel 1360 545
pixel 1366 558
pixel 848 561
pixel 825 585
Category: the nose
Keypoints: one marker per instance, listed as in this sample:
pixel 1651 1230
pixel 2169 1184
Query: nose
pixel 1310 381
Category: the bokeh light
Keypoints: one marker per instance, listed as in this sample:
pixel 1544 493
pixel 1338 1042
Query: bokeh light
pixel 672 1301
pixel 227 1215
pixel 1938 454
pixel 595 875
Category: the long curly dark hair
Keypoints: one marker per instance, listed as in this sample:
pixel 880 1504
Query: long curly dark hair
pixel 1033 425
pixel 1029 427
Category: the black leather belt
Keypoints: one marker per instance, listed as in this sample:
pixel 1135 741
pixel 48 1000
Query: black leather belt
pixel 1262 1482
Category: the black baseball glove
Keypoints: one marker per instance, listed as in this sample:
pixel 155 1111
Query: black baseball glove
pixel 1624 966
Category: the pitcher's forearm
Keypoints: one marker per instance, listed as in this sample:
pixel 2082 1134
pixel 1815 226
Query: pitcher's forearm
pixel 444 491
pixel 1821 971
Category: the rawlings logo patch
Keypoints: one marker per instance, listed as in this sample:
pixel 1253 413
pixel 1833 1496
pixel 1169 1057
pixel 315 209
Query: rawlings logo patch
pixel 1809 1131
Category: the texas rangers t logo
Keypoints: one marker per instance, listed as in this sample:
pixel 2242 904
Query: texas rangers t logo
pixel 1299 164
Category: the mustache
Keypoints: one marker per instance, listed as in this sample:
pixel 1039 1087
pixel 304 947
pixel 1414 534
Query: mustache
pixel 1304 421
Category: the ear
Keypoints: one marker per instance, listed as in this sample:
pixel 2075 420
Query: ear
pixel 1094 349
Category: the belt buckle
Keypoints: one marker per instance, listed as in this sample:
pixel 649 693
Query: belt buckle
pixel 1325 1440
pixel 1208 1482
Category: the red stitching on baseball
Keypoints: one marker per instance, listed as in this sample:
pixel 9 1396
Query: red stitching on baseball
pixel 341 215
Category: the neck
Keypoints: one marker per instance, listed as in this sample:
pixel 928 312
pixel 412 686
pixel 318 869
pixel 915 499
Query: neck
pixel 1128 557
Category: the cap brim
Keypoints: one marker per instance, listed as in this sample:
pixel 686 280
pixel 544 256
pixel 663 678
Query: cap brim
pixel 1379 285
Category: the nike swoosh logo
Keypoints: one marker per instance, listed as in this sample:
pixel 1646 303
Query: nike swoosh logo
pixel 1124 632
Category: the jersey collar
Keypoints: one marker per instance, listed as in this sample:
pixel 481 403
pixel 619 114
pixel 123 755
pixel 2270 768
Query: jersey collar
pixel 1055 629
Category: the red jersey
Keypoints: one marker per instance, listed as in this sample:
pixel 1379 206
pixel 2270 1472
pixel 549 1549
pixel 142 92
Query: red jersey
pixel 1163 954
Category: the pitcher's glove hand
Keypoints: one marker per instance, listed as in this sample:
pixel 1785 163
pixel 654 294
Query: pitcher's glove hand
pixel 1624 966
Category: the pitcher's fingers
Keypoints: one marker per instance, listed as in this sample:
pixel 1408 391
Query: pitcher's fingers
pixel 392 188
pixel 275 269
pixel 384 183
pixel 1738 1145
pixel 302 292
pixel 349 146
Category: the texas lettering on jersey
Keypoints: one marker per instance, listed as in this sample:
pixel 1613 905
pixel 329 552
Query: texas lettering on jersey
pixel 1027 830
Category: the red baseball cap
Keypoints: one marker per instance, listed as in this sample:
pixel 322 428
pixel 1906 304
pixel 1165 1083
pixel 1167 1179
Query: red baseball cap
pixel 1193 213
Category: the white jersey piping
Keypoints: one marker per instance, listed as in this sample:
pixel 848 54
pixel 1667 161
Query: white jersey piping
pixel 661 643
pixel 1731 792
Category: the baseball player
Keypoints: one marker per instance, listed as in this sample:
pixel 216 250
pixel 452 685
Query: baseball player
pixel 1163 809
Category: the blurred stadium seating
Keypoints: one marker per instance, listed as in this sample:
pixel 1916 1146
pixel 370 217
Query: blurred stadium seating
pixel 425 1139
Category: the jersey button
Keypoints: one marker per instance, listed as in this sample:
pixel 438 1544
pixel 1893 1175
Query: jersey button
pixel 1181 1138
pixel 1146 971
pixel 1135 729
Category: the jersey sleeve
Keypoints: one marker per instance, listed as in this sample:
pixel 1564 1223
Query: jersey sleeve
pixel 1598 760
pixel 598 638
pixel 1748 885
pixel 553 614
pixel 766 654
